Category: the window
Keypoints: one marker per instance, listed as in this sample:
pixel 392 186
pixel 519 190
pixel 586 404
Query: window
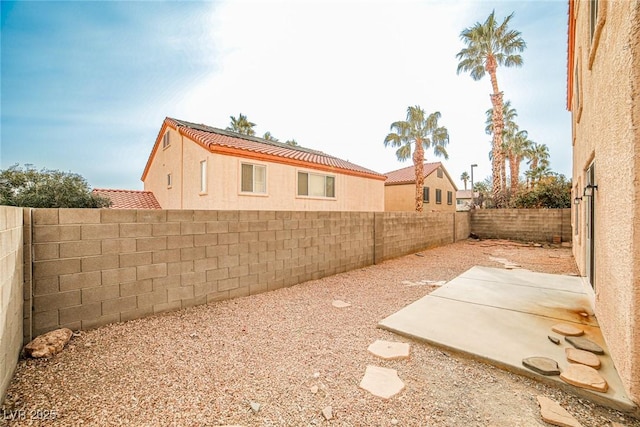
pixel 440 174
pixel 254 178
pixel 438 196
pixel 425 194
pixel 166 141
pixel 314 185
pixel 203 176
pixel 449 197
pixel 169 180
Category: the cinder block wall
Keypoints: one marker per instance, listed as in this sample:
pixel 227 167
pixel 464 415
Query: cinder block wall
pixel 463 225
pixel 97 266
pixel 538 225
pixel 11 292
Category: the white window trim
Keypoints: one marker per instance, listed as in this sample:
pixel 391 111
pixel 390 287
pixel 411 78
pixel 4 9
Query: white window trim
pixel 266 180
pixel 335 185
pixel 203 177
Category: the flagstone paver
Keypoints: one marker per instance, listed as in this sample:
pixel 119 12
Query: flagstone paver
pixel 575 355
pixel 584 344
pixel 585 377
pixel 381 382
pixel 555 414
pixel 390 350
pixel 568 330
pixel 542 365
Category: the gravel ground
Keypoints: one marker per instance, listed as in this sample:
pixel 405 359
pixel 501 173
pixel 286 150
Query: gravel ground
pixel 205 365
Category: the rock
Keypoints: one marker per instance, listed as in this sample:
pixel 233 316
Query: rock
pixel 314 389
pixel 567 330
pixel 340 304
pixel 555 414
pixel 394 422
pixel 389 350
pixel 255 407
pixel 474 236
pixel 584 344
pixel 584 377
pixel 583 357
pixel 554 340
pixel 327 413
pixel 48 344
pixel 381 382
pixel 542 365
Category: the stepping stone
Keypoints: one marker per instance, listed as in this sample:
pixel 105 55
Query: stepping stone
pixel 554 340
pixel 584 344
pixel 584 377
pixel 381 382
pixel 542 365
pixel 555 414
pixel 389 350
pixel 340 304
pixel 583 357
pixel 568 330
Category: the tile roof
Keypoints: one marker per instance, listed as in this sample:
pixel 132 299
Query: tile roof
pixel 227 142
pixel 408 175
pixel 129 199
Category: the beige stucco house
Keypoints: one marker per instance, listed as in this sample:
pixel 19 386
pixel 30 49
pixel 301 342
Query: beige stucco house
pixel 194 166
pixel 604 99
pixel 439 191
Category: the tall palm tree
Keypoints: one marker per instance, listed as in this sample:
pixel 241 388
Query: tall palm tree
pixel 490 45
pixel 509 130
pixel 517 147
pixel 423 133
pixel 538 161
pixel 242 125
pixel 464 178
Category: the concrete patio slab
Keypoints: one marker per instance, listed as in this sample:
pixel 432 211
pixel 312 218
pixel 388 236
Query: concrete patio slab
pixel 503 317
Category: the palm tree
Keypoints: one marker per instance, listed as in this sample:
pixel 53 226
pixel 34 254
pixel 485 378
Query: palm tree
pixel 423 133
pixel 538 155
pixel 509 130
pixel 292 142
pixel 465 178
pixel 490 45
pixel 242 125
pixel 517 147
pixel 269 137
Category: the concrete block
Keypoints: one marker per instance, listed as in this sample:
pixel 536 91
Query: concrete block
pixel 179 215
pixel 166 229
pixel 228 215
pixel 218 250
pixel 148 216
pixel 214 227
pixel 192 302
pixel 55 301
pixel 151 271
pixel 217 296
pixel 163 283
pixel 45 251
pixel 135 259
pixel 258 288
pixel 136 288
pixel 138 313
pixel 238 249
pixel 69 282
pixel 46 319
pixel 46 285
pixel 80 248
pixel 192 278
pixel 183 292
pixel 119 305
pixel 239 292
pixel 171 255
pixel 193 228
pixel 135 230
pixel 79 216
pixel 118 246
pixel 55 267
pixel 179 241
pixel 100 321
pixel 200 289
pixel 205 240
pixel 205 216
pixel 118 275
pixel 80 312
pixel 55 233
pixel 238 271
pixel 151 244
pixel 248 236
pixel 117 215
pixel 228 261
pixel 228 284
pixel 100 293
pixel 218 274
pixel 188 254
pixel 258 226
pixel 99 231
pixel 238 227
pixel 266 236
pixel 228 238
pixel 100 262
pixel 45 216
pixel 168 306
pixel 152 298
pixel 178 268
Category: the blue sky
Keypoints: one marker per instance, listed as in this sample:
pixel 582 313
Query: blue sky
pixel 86 85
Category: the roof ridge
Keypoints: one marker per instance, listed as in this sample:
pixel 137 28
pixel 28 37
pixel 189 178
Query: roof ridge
pixel 121 190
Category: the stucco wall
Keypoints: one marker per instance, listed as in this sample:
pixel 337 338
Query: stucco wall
pixel 402 197
pixel 11 293
pixel 353 193
pixel 606 131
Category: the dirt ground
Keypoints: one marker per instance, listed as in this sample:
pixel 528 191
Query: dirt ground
pixel 281 357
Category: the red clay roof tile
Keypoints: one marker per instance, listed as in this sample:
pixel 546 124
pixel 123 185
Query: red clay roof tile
pixel 129 199
pixel 408 175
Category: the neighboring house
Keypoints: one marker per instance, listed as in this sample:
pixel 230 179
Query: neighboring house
pixel 604 99
pixel 464 199
pixel 438 192
pixel 194 166
pixel 129 199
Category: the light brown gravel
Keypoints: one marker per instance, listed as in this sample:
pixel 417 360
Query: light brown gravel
pixel 294 354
